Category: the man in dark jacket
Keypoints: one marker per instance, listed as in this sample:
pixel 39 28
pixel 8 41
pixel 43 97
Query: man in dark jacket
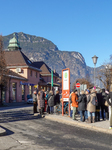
pixel 103 107
pixel 82 101
pixel 97 113
pixel 34 102
pixel 56 100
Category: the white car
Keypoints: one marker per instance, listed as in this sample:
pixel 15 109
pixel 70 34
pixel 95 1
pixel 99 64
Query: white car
pixel 30 101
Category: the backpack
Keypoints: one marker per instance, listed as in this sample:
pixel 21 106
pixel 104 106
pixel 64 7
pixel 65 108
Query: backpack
pixel 95 101
pixel 49 100
pixel 70 99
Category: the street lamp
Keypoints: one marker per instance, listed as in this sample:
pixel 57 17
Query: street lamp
pixel 94 61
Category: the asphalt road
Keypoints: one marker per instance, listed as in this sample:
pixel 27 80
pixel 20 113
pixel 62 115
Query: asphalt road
pixel 28 132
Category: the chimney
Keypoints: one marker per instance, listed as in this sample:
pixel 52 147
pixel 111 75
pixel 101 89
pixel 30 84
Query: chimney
pixel 54 71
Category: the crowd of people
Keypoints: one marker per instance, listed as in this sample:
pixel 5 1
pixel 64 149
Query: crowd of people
pixel 46 101
pixel 92 105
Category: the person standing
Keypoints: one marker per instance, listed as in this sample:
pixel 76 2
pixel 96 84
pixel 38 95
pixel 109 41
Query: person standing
pixel 88 99
pixel 56 100
pixel 82 101
pixel 109 100
pixel 103 107
pixel 91 108
pixel 38 99
pixel 51 102
pixel 42 101
pixel 97 113
pixel 34 102
pixel 74 99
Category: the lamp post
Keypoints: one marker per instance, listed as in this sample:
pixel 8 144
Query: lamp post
pixel 94 61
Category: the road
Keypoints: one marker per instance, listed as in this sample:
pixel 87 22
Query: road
pixel 28 132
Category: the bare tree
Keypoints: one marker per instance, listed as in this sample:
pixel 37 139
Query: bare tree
pixel 83 81
pixel 3 69
pixel 104 74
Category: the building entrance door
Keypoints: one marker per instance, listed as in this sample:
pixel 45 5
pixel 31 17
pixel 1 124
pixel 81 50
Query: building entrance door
pixel 14 91
pixel 23 92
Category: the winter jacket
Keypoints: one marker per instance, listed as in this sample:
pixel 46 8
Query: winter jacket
pixel 38 100
pixel 90 106
pixel 104 97
pixel 51 100
pixel 74 97
pixel 99 98
pixel 109 97
pixel 34 97
pixel 42 99
pixel 56 99
pixel 82 101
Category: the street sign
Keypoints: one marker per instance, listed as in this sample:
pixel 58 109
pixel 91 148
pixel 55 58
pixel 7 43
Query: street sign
pixel 78 85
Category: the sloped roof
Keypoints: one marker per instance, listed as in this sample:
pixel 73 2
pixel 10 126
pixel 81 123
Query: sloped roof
pixel 18 58
pixel 39 65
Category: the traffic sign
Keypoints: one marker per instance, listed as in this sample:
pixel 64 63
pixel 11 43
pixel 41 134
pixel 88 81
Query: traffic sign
pixel 78 85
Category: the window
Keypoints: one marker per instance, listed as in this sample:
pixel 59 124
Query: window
pixel 30 91
pixel 30 72
pixel 36 74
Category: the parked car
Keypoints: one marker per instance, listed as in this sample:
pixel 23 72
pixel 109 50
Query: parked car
pixel 30 101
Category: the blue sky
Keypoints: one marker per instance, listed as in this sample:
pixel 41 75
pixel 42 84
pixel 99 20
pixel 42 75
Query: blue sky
pixel 73 25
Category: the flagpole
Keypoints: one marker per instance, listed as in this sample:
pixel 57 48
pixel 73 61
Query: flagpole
pixel 51 79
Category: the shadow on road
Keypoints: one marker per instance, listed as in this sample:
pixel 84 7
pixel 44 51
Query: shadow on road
pixel 8 106
pixel 8 132
pixel 17 115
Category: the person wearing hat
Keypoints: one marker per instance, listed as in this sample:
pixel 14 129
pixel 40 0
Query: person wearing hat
pixel 74 99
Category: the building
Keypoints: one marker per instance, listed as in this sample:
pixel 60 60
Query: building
pixel 45 76
pixel 27 75
pixel 24 75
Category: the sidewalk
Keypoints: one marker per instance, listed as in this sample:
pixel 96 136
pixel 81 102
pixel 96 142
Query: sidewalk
pixel 2 131
pixel 102 126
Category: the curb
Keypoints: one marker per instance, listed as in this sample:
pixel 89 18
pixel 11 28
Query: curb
pixel 82 125
pixel 2 131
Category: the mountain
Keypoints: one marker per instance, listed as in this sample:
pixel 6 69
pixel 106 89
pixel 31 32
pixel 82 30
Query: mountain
pixel 39 48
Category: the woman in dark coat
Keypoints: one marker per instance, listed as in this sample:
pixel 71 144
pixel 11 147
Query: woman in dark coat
pixel 51 102
pixel 42 101
pixel 56 101
pixel 82 101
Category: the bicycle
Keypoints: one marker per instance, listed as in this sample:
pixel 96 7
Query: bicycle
pixel 58 109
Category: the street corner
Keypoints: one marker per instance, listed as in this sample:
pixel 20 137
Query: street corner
pixel 2 131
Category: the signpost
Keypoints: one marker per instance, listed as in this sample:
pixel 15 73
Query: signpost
pixel 65 87
pixel 51 79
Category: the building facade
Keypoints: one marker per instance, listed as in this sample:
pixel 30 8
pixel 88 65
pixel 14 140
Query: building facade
pixel 25 75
